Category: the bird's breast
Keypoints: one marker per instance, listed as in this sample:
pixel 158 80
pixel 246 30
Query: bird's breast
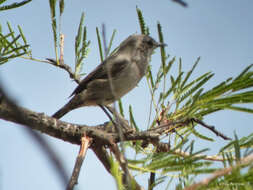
pixel 127 80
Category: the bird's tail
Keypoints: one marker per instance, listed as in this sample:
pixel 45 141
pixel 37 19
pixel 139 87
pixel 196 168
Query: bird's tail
pixel 61 112
pixel 74 103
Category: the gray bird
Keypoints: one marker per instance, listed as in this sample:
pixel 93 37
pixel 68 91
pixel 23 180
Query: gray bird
pixel 115 76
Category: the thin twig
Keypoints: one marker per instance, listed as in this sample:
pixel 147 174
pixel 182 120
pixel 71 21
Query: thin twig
pixel 219 173
pixel 121 120
pixel 171 125
pixel 54 63
pixel 85 143
pixel 108 115
pixel 151 181
pixel 211 128
pixel 203 157
pixel 61 60
pixel 66 68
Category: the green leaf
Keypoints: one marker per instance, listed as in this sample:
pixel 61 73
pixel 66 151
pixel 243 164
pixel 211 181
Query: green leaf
pixel 237 148
pixel 111 40
pixel 11 31
pixel 196 87
pixel 116 173
pixel 159 76
pixel 242 109
pixel 81 46
pixel 61 5
pixel 52 4
pixel 195 155
pixel 167 68
pixel 188 86
pixel 245 97
pixel 244 82
pixel 22 35
pixel 201 136
pixel 243 72
pixel 17 50
pixel 162 49
pixel 5 59
pixel 79 33
pixel 143 27
pixel 173 85
pixel 150 77
pixel 10 45
pixel 100 46
pixel 2 1
pixel 121 110
pixel 196 96
pixel 190 72
pixel 244 142
pixel 13 5
pixel 132 120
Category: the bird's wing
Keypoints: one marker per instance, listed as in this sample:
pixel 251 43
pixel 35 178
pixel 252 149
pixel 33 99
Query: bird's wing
pixel 100 72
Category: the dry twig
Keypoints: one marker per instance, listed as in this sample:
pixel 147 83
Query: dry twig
pixel 203 157
pixel 61 60
pixel 85 143
pixel 244 161
pixel 65 67
pixel 211 128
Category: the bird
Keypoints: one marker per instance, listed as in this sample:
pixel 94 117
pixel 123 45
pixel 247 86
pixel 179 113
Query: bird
pixel 115 76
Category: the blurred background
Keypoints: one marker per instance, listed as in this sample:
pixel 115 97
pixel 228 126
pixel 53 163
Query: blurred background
pixel 219 31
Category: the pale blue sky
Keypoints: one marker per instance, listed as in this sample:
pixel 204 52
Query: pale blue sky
pixel 220 31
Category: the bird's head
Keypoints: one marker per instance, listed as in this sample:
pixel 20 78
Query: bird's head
pixel 141 42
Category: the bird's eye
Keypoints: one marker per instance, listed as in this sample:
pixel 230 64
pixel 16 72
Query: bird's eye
pixel 150 42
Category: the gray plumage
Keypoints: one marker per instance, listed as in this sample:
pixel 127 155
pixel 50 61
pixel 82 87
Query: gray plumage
pixel 115 77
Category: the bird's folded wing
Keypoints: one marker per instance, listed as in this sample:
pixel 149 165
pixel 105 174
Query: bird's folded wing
pixel 100 72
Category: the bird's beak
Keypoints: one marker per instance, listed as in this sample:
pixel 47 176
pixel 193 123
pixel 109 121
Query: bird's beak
pixel 161 44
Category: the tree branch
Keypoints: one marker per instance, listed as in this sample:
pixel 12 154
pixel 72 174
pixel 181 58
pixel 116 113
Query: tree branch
pixel 103 135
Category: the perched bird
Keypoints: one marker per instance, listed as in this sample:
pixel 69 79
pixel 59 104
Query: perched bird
pixel 115 76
